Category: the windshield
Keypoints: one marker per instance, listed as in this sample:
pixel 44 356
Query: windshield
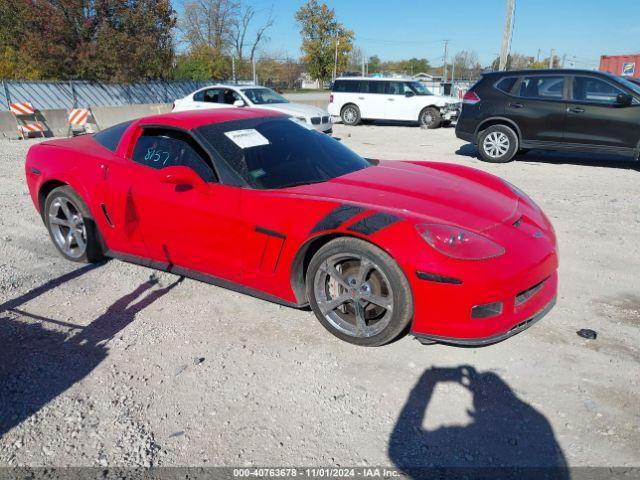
pixel 279 152
pixel 630 85
pixel 263 96
pixel 419 88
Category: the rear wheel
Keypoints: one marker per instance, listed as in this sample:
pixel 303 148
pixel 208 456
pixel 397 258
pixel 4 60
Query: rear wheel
pixel 71 226
pixel 498 144
pixel 359 293
pixel 350 115
pixel 430 117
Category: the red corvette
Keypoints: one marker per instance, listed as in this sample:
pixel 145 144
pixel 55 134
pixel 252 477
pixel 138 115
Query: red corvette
pixel 257 202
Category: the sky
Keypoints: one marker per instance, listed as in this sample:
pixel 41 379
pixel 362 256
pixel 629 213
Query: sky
pixel 396 29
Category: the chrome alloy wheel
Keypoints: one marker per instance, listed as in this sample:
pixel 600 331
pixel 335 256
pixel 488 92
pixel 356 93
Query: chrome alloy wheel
pixel 67 227
pixel 427 118
pixel 496 144
pixel 350 115
pixel 354 295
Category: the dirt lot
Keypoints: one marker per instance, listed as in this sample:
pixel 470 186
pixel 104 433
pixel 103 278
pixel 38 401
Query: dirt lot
pixel 103 366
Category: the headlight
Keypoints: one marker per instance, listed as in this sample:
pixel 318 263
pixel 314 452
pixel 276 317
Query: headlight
pixel 456 242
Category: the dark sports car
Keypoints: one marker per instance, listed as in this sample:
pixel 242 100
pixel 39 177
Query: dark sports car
pixel 256 201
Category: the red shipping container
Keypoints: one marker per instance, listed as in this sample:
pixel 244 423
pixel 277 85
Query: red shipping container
pixel 626 65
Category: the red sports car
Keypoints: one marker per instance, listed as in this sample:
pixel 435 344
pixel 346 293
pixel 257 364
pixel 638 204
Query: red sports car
pixel 256 201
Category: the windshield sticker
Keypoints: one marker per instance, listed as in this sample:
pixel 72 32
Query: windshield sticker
pixel 247 138
pixel 257 173
pixel 302 123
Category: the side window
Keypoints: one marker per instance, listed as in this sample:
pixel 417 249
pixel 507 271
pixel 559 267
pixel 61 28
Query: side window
pixel 376 86
pixel 339 86
pixel 210 95
pixel 542 87
pixel 351 86
pixel 594 90
pixel 396 88
pixel 110 137
pixel 506 84
pixel 230 96
pixel 158 148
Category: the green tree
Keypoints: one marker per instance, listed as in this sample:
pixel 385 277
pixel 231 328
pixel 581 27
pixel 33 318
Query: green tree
pixel 119 40
pixel 322 35
pixel 374 64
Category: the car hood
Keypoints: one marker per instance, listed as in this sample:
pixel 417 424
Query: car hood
pixel 295 109
pixel 426 192
pixel 440 99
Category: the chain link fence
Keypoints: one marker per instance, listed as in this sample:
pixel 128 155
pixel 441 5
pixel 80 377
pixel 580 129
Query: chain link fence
pixel 80 94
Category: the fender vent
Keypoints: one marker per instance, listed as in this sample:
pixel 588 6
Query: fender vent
pixel 106 215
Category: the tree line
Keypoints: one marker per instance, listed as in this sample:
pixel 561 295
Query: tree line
pixel 139 40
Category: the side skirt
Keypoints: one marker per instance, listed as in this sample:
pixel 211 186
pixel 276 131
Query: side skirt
pixel 202 277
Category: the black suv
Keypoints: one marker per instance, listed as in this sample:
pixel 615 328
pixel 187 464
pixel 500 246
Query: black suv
pixel 581 110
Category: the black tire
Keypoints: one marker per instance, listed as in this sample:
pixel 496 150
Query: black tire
pixel 498 144
pixel 350 115
pixel 84 226
pixel 430 118
pixel 384 281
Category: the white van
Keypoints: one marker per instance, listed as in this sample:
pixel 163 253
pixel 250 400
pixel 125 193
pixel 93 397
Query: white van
pixel 362 98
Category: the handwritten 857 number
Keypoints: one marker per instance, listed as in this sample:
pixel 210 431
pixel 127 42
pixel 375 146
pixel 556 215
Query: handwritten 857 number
pixel 157 156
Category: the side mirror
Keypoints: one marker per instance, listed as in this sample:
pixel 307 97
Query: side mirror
pixel 409 94
pixel 180 176
pixel 238 103
pixel 624 99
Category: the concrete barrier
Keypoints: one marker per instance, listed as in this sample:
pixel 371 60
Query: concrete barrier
pixel 56 120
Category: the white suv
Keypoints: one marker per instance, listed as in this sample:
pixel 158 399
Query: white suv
pixel 361 98
pixel 225 96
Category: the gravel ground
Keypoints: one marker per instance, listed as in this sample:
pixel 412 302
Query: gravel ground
pixel 117 365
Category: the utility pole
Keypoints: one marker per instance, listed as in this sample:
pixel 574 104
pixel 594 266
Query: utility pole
pixel 564 58
pixel 233 69
pixel 335 63
pixel 444 73
pixel 253 67
pixel 506 35
pixel 553 54
pixel 363 62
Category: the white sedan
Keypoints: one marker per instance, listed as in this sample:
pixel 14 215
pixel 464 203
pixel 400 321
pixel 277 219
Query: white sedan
pixel 225 96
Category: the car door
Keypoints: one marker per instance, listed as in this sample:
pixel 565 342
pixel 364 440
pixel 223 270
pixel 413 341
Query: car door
pixel 209 98
pixel 539 108
pixel 366 100
pixel 194 225
pixel 596 118
pixel 400 102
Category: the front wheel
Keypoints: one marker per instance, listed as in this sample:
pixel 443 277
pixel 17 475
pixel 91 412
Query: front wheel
pixel 359 293
pixel 71 226
pixel 498 144
pixel 430 118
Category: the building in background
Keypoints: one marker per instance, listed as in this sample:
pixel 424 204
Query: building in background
pixel 625 65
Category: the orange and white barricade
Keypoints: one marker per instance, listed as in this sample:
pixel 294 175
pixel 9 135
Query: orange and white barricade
pixel 81 119
pixel 26 119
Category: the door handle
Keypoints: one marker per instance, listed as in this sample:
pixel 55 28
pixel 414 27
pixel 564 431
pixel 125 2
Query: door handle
pixel 391 99
pixel 516 105
pixel 575 110
pixel 360 98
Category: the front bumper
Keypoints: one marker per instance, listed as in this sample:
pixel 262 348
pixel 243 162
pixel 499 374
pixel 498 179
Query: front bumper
pixel 450 115
pixel 484 341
